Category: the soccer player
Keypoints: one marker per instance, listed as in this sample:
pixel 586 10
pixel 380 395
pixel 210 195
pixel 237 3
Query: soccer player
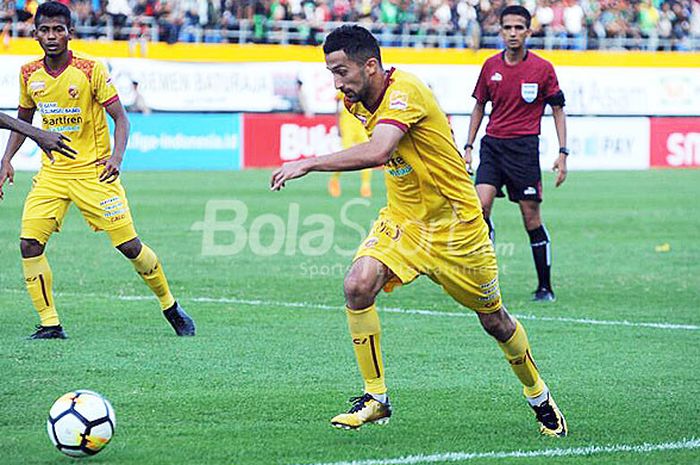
pixel 519 84
pixel 72 93
pixel 47 141
pixel 431 225
pixel 351 133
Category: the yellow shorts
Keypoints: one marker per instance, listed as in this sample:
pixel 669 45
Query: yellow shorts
pixel 457 255
pixel 104 207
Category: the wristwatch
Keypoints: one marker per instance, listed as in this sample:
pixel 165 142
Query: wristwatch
pixel 468 146
pixel 564 150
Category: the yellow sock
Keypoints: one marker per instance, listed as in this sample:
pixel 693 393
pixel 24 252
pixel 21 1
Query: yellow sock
pixel 366 176
pixel 366 332
pixel 150 269
pixel 335 176
pixel 517 350
pixel 38 278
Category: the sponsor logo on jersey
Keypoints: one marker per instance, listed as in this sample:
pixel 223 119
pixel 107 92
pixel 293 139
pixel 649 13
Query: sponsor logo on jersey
pixel 528 91
pixel 398 167
pixel 398 100
pixel 496 76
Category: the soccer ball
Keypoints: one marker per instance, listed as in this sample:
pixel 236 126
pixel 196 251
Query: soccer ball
pixel 81 423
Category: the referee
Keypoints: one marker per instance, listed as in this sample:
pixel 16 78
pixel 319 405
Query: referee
pixel 519 84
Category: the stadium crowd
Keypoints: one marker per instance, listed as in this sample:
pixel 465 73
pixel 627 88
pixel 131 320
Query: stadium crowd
pixel 578 24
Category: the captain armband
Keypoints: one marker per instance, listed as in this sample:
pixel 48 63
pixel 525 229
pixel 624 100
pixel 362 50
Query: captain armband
pixel 556 100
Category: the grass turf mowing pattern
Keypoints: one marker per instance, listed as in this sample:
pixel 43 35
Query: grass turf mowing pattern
pixel 259 382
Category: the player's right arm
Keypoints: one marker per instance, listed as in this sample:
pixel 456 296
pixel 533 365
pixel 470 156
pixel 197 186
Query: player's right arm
pixel 7 173
pixel 375 152
pixel 46 140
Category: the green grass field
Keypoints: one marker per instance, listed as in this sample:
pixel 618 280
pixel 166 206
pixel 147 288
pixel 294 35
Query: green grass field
pixel 272 362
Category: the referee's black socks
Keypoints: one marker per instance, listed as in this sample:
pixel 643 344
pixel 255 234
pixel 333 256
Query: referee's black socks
pixel 542 254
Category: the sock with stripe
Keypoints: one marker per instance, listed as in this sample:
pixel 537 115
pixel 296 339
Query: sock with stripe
pixel 39 279
pixel 542 254
pixel 149 268
pixel 517 351
pixel 366 333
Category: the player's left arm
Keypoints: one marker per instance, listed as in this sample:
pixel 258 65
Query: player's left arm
pixel 113 164
pixel 555 99
pixel 560 126
pixel 375 152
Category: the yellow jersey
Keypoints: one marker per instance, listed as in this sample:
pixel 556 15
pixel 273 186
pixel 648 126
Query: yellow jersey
pixel 350 128
pixel 71 101
pixel 426 177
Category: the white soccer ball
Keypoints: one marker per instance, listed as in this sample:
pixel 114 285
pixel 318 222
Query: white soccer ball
pixel 81 423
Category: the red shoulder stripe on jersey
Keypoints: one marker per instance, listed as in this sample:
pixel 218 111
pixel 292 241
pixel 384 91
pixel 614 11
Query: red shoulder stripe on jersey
pixel 29 69
pixel 110 101
pixel 393 122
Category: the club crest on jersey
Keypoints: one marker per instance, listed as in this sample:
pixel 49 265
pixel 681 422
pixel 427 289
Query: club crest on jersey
pixel 398 100
pixel 73 91
pixel 528 91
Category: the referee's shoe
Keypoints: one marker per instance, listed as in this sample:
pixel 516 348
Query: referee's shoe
pixel 543 295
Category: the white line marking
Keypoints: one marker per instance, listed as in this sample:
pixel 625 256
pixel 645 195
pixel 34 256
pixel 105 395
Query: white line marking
pixel 405 311
pixel 570 452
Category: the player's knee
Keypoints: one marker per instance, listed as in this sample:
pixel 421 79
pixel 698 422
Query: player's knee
pixel 131 249
pixel 30 248
pixel 357 290
pixel 498 325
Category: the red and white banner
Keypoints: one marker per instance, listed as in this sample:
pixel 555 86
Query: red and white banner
pixel 272 139
pixel 675 142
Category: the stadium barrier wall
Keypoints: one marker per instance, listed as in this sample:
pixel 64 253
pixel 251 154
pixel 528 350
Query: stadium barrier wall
pixel 196 141
pixel 591 89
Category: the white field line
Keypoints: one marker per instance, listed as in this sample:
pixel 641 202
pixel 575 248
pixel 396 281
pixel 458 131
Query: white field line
pixel 684 444
pixel 405 311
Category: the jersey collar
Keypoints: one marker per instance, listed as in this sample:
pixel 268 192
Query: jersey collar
pixel 503 57
pixel 56 73
pixel 387 82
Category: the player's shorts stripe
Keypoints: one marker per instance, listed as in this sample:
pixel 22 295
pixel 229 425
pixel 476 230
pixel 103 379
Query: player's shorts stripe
pixel 374 355
pixel 43 290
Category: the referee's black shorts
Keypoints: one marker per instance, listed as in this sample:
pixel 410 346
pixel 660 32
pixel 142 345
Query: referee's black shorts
pixel 514 163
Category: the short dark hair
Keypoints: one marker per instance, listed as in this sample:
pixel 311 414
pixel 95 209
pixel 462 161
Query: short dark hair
pixel 357 42
pixel 52 10
pixel 517 10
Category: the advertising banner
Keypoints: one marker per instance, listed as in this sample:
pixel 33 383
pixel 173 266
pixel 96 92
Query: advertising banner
pixel 184 141
pixel 595 143
pixel 273 139
pixel 675 142
pixel 275 86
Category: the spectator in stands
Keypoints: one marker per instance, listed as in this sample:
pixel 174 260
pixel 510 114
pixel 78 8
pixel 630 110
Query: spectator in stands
pixel 574 23
pixel 139 103
pixel 652 24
